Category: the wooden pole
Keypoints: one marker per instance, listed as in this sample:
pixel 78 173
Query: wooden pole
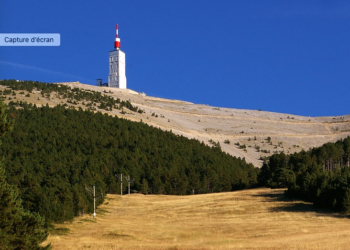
pixel 121 184
pixel 129 184
pixel 94 202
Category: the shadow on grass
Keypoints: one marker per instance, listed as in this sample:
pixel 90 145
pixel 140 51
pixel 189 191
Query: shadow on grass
pixel 87 220
pixel 59 230
pixel 296 205
pixel 102 211
pixel 274 196
pixel 114 234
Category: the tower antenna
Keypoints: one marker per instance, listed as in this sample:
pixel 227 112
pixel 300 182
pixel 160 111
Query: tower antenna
pixel 117 39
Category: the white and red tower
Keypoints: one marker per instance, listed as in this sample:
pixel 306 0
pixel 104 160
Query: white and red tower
pixel 117 39
pixel 116 77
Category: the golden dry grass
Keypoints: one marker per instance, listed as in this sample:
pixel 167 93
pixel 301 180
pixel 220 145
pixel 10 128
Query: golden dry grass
pixel 249 219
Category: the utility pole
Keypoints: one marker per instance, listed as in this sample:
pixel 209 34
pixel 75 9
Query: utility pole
pixel 94 203
pixel 129 182
pixel 92 191
pixel 121 183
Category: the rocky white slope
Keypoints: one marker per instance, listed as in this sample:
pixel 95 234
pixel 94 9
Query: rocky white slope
pixel 259 133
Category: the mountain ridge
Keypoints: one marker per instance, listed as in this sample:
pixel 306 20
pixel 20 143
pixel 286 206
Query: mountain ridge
pixel 249 134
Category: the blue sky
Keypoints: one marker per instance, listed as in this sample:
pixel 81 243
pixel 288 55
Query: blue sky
pixel 280 56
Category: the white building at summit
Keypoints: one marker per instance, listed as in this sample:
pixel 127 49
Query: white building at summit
pixel 116 77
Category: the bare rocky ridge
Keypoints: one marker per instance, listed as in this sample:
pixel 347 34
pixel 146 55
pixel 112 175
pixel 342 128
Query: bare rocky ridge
pixel 251 134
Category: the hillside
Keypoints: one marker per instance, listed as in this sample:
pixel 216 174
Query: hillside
pixel 53 154
pixel 251 134
pixel 249 219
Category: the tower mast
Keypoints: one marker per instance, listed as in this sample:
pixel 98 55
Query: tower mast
pixel 117 39
pixel 116 77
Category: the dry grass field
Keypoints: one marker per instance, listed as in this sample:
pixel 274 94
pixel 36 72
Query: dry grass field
pixel 248 219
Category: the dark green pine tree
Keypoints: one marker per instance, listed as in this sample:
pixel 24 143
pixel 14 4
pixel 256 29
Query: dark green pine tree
pixel 19 229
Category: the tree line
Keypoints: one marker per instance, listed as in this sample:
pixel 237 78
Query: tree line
pixel 19 227
pixel 52 154
pixel 320 175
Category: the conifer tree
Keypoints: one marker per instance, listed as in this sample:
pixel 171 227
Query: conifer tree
pixel 19 229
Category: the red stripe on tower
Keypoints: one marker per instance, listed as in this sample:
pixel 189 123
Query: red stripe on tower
pixel 117 39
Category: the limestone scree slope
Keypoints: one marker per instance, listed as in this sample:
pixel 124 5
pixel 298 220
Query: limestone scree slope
pixel 249 134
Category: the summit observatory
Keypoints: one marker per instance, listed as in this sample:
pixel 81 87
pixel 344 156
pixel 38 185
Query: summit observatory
pixel 116 77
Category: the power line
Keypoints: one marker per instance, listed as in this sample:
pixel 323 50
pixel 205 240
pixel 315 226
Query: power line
pixel 128 179
pixel 129 182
